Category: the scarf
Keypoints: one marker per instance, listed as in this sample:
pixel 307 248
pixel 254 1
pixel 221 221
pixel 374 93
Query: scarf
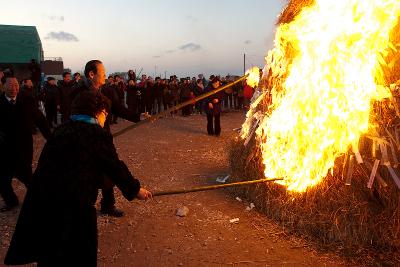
pixel 84 118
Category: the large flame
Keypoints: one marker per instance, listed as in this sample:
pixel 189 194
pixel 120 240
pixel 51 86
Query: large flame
pixel 324 72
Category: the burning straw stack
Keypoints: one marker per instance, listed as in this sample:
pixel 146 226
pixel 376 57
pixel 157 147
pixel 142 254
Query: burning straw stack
pixel 352 209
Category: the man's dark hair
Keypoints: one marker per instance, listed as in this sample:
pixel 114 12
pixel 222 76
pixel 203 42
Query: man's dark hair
pixel 65 73
pixel 7 76
pixel 76 74
pixel 116 76
pixel 50 79
pixel 89 103
pixel 92 66
pixel 110 77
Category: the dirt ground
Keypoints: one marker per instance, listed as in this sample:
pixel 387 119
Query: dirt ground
pixel 177 153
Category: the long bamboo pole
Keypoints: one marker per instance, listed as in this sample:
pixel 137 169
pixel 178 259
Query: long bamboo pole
pixel 177 107
pixel 213 187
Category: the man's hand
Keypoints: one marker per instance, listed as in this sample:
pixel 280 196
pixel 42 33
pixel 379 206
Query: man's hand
pixel 210 105
pixel 144 194
pixel 215 101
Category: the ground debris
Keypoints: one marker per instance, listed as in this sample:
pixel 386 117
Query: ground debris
pixel 182 211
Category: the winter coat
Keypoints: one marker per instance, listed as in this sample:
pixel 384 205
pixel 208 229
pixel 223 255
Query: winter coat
pixel 51 95
pixel 216 106
pixel 16 123
pixel 57 224
pixel 65 98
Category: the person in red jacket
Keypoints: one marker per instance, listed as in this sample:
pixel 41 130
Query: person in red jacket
pixel 248 94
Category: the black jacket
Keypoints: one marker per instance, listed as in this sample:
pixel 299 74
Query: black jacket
pixel 57 222
pixel 51 95
pixel 216 106
pixel 65 97
pixel 16 123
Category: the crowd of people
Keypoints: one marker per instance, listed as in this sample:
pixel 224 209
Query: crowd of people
pixel 138 94
pixel 66 184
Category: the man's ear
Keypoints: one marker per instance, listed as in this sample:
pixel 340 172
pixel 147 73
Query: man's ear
pixel 91 75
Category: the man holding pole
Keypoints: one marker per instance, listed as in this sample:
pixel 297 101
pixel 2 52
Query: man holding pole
pixel 95 74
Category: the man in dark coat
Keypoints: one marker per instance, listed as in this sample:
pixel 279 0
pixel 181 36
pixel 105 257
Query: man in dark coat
pixel 65 87
pixel 212 106
pixel 67 184
pixel 186 92
pixel 132 96
pixel 51 98
pixel 36 73
pixel 158 89
pixel 18 114
pixel 95 78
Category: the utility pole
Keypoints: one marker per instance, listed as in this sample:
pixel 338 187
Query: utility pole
pixel 165 74
pixel 155 71
pixel 244 63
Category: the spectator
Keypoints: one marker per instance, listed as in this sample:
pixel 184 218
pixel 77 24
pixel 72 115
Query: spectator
pixel 51 98
pixel 175 91
pixel 213 108
pixel 228 94
pixel 199 90
pixel 185 96
pixel 148 95
pixel 247 94
pixel 166 97
pixel 77 79
pixel 18 114
pixel 36 74
pixel 119 87
pixel 131 75
pixel 132 96
pixel 158 94
pixel 65 87
pixel 27 88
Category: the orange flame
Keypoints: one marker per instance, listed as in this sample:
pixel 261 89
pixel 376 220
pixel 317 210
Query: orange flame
pixel 326 70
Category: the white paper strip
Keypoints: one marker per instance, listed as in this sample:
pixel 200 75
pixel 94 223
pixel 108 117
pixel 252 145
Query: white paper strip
pixel 350 170
pixel 255 125
pixel 396 161
pixel 394 176
pixel 378 176
pixel 385 159
pixel 373 174
pixel 357 153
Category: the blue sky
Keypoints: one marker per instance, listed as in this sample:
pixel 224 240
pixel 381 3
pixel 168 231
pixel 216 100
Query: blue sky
pixel 179 37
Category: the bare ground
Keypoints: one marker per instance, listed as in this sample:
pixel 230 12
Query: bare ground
pixel 177 153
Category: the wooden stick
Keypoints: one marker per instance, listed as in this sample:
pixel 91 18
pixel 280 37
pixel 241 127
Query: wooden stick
pixel 177 107
pixel 212 187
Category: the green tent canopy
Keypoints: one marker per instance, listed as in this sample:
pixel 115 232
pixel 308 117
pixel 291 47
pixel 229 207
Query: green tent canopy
pixel 20 44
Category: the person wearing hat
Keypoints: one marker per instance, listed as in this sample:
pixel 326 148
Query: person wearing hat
pixel 57 224
pixel 212 107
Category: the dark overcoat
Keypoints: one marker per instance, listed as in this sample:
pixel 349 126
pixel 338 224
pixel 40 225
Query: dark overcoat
pixel 216 106
pixel 16 124
pixel 57 224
